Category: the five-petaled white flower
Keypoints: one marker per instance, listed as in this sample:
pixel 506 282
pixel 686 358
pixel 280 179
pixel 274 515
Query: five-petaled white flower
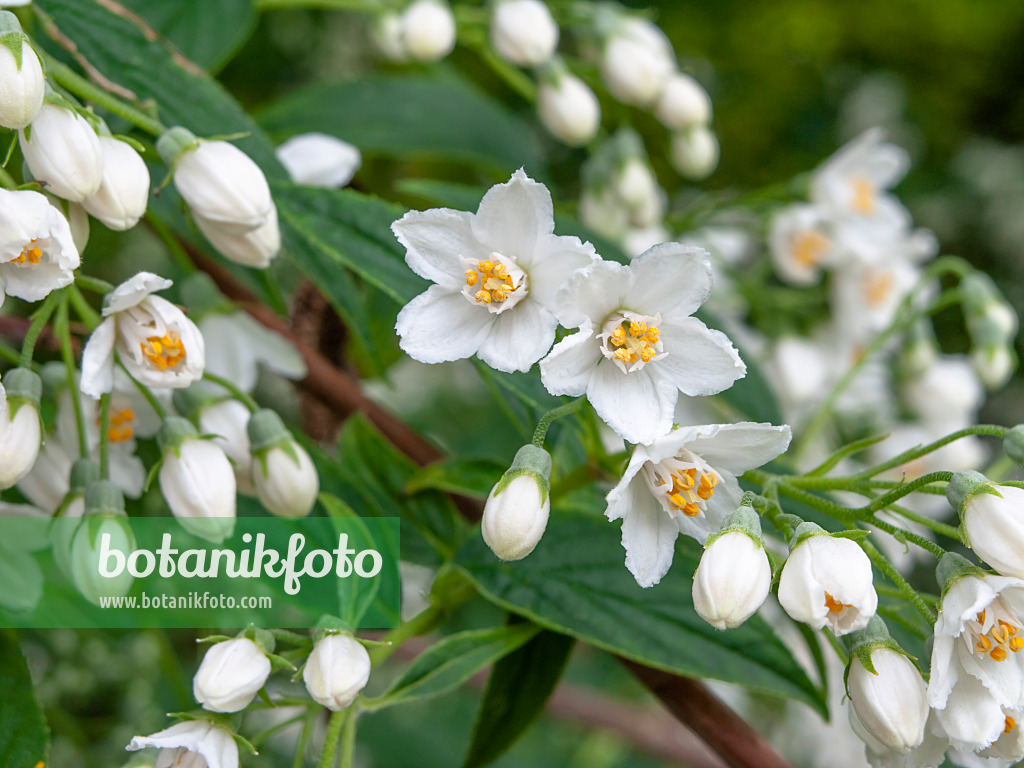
pixel 800 243
pixel 496 272
pixel 157 344
pixel 37 254
pixel 685 482
pixel 637 346
pixel 195 743
pixel 977 669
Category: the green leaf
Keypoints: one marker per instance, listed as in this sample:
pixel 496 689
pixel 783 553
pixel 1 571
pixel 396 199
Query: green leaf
pixel 113 41
pixel 575 582
pixel 517 690
pixel 24 736
pixel 411 116
pixel 449 663
pixel 209 33
pixel 469 477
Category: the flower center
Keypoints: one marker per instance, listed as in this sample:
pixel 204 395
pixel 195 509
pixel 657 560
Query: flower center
pixel 631 340
pixel 682 484
pixel 164 351
pixel 863 200
pixel 121 425
pixel 30 254
pixel 833 605
pixel 809 248
pixel 877 288
pixel 494 283
pixel 995 632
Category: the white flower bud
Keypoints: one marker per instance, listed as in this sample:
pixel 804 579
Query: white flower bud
pixel 22 84
pixel 637 187
pixel 523 32
pixel 994 365
pixel 827 581
pixel 124 193
pixel 230 676
pixel 197 481
pixel 63 151
pixel 227 420
pixel 336 671
pixel 20 431
pixel 516 512
pixel 387 36
pixel 993 518
pixel 428 30
pixel 695 152
pixel 683 103
pixel 568 109
pixel 637 61
pixel 252 248
pixel 732 580
pixel 319 160
pixel 893 703
pixel 284 476
pixel 218 180
pixel 104 514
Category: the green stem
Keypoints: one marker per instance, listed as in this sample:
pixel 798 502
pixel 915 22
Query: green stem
pixel 10 353
pixel 329 756
pixel 93 284
pixel 307 734
pixel 262 736
pixel 993 430
pixel 39 320
pixel 420 624
pixel 105 436
pixel 6 180
pixel 901 583
pixel 899 492
pixel 83 309
pixel 894 530
pixel 78 85
pixel 946 530
pixel 348 739
pixel 237 393
pixel 62 326
pixel 154 403
pixel 555 413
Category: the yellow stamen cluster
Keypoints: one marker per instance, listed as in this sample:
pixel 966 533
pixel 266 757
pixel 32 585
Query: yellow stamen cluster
pixel 30 254
pixel 833 605
pixel 863 195
pixel 120 426
pixel 164 351
pixel 689 487
pixel 999 641
pixel 810 247
pixel 495 282
pixel 877 287
pixel 638 343
pixel 1009 725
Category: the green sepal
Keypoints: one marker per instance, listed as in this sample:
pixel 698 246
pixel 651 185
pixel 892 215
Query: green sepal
pixel 103 499
pixel 744 520
pixel 803 532
pixel 264 638
pixel 84 472
pixel 1013 445
pixel 174 431
pixel 529 460
pixel 190 401
pixel 863 642
pixel 331 625
pixel 952 567
pixel 266 430
pixel 213 639
pixel 153 472
pixel 132 142
pixel 174 143
pixel 279 663
pixel 12 37
pixel 22 387
pixel 964 485
pixel 854 534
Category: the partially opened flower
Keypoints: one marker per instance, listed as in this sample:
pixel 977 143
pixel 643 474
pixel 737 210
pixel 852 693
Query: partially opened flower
pixel 637 346
pixel 685 482
pixel 195 744
pixel 496 272
pixel 37 253
pixel 238 346
pixel 800 243
pixel 157 344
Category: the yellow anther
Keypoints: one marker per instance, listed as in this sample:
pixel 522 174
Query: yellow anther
pixel 164 352
pixel 877 288
pixel 498 269
pixel 997 654
pixel 833 605
pixel 1016 644
pixel 471 277
pixel 498 295
pixel 484 297
pixel 809 248
pixel 647 353
pixel 863 195
pixel 984 645
pixel 618 337
pixel 1009 725
pixel 485 266
pixel 652 335
pixel 981 617
pixel 625 355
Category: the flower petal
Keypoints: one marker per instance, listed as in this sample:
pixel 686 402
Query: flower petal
pixel 435 241
pixel 649 538
pixel 212 742
pixel 98 360
pixel 593 294
pixel 133 291
pixel 439 325
pixel 518 338
pixel 722 503
pixel 569 366
pixel 742 446
pixel 699 361
pixel 624 496
pixel 636 405
pixel 513 216
pixel 670 278
pixel 552 263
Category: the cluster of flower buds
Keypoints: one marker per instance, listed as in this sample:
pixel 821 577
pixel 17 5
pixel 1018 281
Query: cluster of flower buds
pixel 992 325
pixel 424 31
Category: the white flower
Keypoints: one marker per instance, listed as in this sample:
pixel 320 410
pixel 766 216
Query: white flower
pixel 283 475
pixel 227 420
pixel 828 581
pixel 568 109
pixel 192 744
pixel 685 482
pixel 237 346
pixel 336 671
pixel 124 192
pixel 683 103
pixel 994 364
pixel 428 30
pixel 977 670
pixel 319 160
pixel 695 152
pixel 800 243
pixel 20 430
pixel 853 182
pixel 865 297
pixel 637 61
pixel 892 703
pixel 230 676
pixel 197 481
pixel 517 508
pixel 37 253
pixel 732 580
pixel 637 346
pixel 250 248
pixel 496 272
pixel 157 344
pixel 21 81
pixel 64 152
pixel 523 32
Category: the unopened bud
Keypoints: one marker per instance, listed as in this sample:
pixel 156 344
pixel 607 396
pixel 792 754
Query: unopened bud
pixel 336 671
pixel 523 32
pixel 568 108
pixel 683 103
pixel 22 84
pixel 695 152
pixel 516 512
pixel 230 676
pixel 734 575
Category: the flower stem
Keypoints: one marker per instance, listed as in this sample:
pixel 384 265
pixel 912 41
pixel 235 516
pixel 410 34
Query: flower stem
pixel 946 530
pixel 329 756
pixel 420 624
pixel 39 320
pixel 105 436
pixel 993 430
pixel 896 578
pixel 237 393
pixel 10 354
pixel 6 180
pixel 348 738
pixel 307 733
pixel 147 393
pixel 555 413
pixel 93 284
pixel 62 326
pixel 85 312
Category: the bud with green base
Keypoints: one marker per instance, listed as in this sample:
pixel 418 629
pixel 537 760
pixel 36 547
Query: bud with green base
pixel 20 426
pixel 22 83
pixel 991 519
pixel 337 670
pixel 197 481
pixel 104 516
pixel 84 472
pixel 283 475
pixel 734 575
pixel 992 325
pixel 886 689
pixel 516 512
pixel 231 674
pixel 225 420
